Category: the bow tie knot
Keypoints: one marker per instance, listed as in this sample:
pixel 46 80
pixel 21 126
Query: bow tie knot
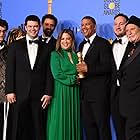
pixel 86 41
pixel 118 41
pixel 33 41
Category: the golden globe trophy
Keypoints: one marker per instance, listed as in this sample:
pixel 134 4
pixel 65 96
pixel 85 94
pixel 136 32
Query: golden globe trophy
pixel 110 40
pixel 80 60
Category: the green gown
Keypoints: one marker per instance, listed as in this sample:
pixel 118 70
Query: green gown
pixel 63 122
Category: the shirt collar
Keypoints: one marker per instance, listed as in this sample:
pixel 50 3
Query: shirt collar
pixel 124 39
pixel 29 38
pixel 91 38
pixel 48 38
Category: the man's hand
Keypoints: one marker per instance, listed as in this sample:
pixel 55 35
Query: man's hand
pixel 82 67
pixel 11 98
pixel 45 101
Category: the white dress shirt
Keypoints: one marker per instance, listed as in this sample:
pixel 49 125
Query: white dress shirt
pixel 1 47
pixel 47 38
pixel 118 52
pixel 32 51
pixel 87 45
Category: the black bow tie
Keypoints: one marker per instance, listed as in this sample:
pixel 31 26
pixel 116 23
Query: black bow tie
pixel 85 41
pixel 33 41
pixel 118 41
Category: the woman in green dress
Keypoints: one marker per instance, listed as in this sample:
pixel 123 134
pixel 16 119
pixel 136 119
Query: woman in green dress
pixel 63 122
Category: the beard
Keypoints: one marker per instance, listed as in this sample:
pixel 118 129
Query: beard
pixel 48 32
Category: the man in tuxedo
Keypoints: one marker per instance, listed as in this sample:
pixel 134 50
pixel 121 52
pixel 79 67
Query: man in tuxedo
pixel 28 84
pixel 95 87
pixel 118 48
pixel 129 97
pixel 3 57
pixel 49 23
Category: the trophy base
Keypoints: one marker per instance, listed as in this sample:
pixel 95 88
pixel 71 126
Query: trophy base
pixel 81 76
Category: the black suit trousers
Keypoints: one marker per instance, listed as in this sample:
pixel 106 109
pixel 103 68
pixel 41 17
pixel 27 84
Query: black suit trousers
pixel 118 120
pixel 96 120
pixel 29 120
pixel 137 137
pixel 132 128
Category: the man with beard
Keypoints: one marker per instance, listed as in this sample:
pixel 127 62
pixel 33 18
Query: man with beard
pixel 49 23
pixel 119 49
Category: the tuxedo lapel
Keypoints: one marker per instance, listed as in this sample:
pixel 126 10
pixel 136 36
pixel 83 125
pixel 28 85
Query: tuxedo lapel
pixel 40 46
pixel 125 56
pixel 92 45
pixel 26 55
pixel 25 52
pixel 128 48
pixel 130 57
pixel 89 49
pixel 113 61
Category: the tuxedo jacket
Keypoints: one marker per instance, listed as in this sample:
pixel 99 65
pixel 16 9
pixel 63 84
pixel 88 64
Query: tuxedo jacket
pixel 95 86
pixel 130 83
pixel 116 73
pixel 51 45
pixel 21 79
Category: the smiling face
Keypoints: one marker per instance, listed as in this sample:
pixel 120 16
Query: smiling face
pixel 133 33
pixel 88 28
pixel 66 41
pixel 119 26
pixel 48 27
pixel 32 29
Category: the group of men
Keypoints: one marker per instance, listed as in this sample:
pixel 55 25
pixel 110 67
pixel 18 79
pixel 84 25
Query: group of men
pixel 29 81
pixel 111 83
pixel 125 77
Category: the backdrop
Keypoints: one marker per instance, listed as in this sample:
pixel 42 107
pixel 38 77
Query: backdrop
pixel 70 13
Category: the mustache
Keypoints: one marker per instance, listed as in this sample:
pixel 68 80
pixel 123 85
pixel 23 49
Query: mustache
pixel 48 29
pixel 48 32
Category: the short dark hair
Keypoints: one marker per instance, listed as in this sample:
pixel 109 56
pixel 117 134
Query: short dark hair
pixel 50 16
pixel 122 15
pixel 4 24
pixel 91 18
pixel 32 18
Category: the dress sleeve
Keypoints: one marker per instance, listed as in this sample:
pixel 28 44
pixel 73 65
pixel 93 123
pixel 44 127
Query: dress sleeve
pixel 58 73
